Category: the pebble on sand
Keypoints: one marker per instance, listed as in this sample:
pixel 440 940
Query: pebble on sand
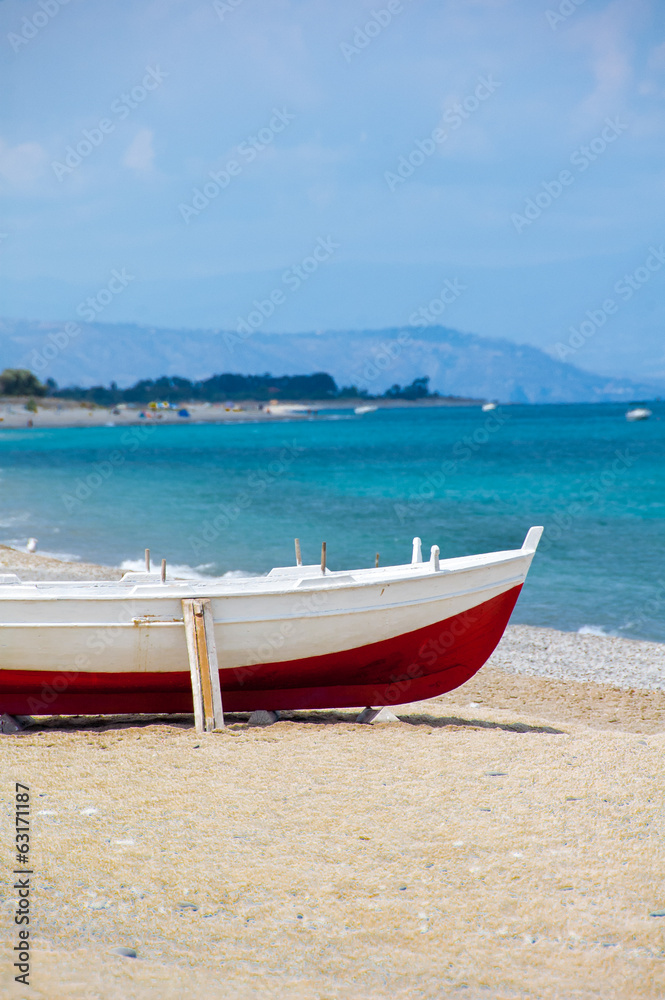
pixel 124 952
pixel 262 718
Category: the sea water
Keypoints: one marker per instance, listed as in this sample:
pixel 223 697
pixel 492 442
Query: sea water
pixel 219 498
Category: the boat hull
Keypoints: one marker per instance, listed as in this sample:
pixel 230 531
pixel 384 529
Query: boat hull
pixel 410 666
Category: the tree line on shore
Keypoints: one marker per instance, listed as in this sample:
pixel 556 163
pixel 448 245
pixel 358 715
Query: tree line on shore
pixel 216 389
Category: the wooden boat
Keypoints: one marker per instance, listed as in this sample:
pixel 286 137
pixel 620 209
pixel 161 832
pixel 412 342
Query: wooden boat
pixel 299 638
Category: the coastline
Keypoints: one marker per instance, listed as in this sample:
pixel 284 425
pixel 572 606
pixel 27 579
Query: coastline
pixel 55 413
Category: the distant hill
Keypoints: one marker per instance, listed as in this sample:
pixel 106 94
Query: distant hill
pixel 458 364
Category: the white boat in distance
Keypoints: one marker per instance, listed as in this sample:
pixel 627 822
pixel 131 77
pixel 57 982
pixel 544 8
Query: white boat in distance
pixel 364 409
pixel 639 413
pixel 300 637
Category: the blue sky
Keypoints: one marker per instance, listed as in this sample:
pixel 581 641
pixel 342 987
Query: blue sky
pixel 529 136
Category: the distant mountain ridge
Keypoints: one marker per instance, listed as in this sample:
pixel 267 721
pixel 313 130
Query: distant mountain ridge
pixel 458 364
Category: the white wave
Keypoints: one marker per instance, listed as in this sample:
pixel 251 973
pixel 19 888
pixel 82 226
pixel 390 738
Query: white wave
pixel 183 570
pixel 239 574
pixel 596 630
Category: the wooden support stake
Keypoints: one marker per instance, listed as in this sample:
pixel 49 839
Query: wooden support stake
pixel 376 561
pixel 199 629
pixel 163 570
pixel 323 557
pixel 298 553
pixel 147 560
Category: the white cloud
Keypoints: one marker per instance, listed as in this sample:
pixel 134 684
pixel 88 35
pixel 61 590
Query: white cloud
pixel 608 36
pixel 22 165
pixel 140 154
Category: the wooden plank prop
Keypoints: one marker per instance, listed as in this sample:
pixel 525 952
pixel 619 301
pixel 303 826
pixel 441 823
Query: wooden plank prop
pixel 208 711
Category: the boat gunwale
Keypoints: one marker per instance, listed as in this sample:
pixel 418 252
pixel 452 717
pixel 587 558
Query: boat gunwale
pixel 94 590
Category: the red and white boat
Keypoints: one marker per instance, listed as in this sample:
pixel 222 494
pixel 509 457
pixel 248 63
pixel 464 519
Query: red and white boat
pixel 299 638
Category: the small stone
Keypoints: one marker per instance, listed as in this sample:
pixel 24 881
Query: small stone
pixel 124 952
pixel 184 905
pixel 99 904
pixel 262 718
pixel 496 774
pixel 657 913
pixel 9 725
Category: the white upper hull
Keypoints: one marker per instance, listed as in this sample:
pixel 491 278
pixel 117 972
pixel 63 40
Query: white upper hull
pixel 295 612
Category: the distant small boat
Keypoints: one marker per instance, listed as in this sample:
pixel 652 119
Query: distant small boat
pixel 289 410
pixel 488 406
pixel 364 409
pixel 639 413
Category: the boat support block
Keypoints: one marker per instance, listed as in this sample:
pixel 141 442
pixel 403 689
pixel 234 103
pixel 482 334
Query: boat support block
pixel 198 621
pixel 369 715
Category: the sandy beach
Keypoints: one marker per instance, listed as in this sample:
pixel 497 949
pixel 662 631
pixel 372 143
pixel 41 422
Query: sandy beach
pixel 503 841
pixel 63 413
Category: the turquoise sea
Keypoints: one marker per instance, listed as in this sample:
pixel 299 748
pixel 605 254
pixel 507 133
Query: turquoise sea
pixel 222 498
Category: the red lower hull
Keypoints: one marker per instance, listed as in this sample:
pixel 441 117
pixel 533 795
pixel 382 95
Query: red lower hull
pixel 410 667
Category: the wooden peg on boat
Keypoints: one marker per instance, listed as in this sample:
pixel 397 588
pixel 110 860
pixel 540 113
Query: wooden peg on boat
pixel 417 555
pixel 298 553
pixel 163 570
pixel 147 560
pixel 376 561
pixel 434 558
pixel 204 669
pixel 323 557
